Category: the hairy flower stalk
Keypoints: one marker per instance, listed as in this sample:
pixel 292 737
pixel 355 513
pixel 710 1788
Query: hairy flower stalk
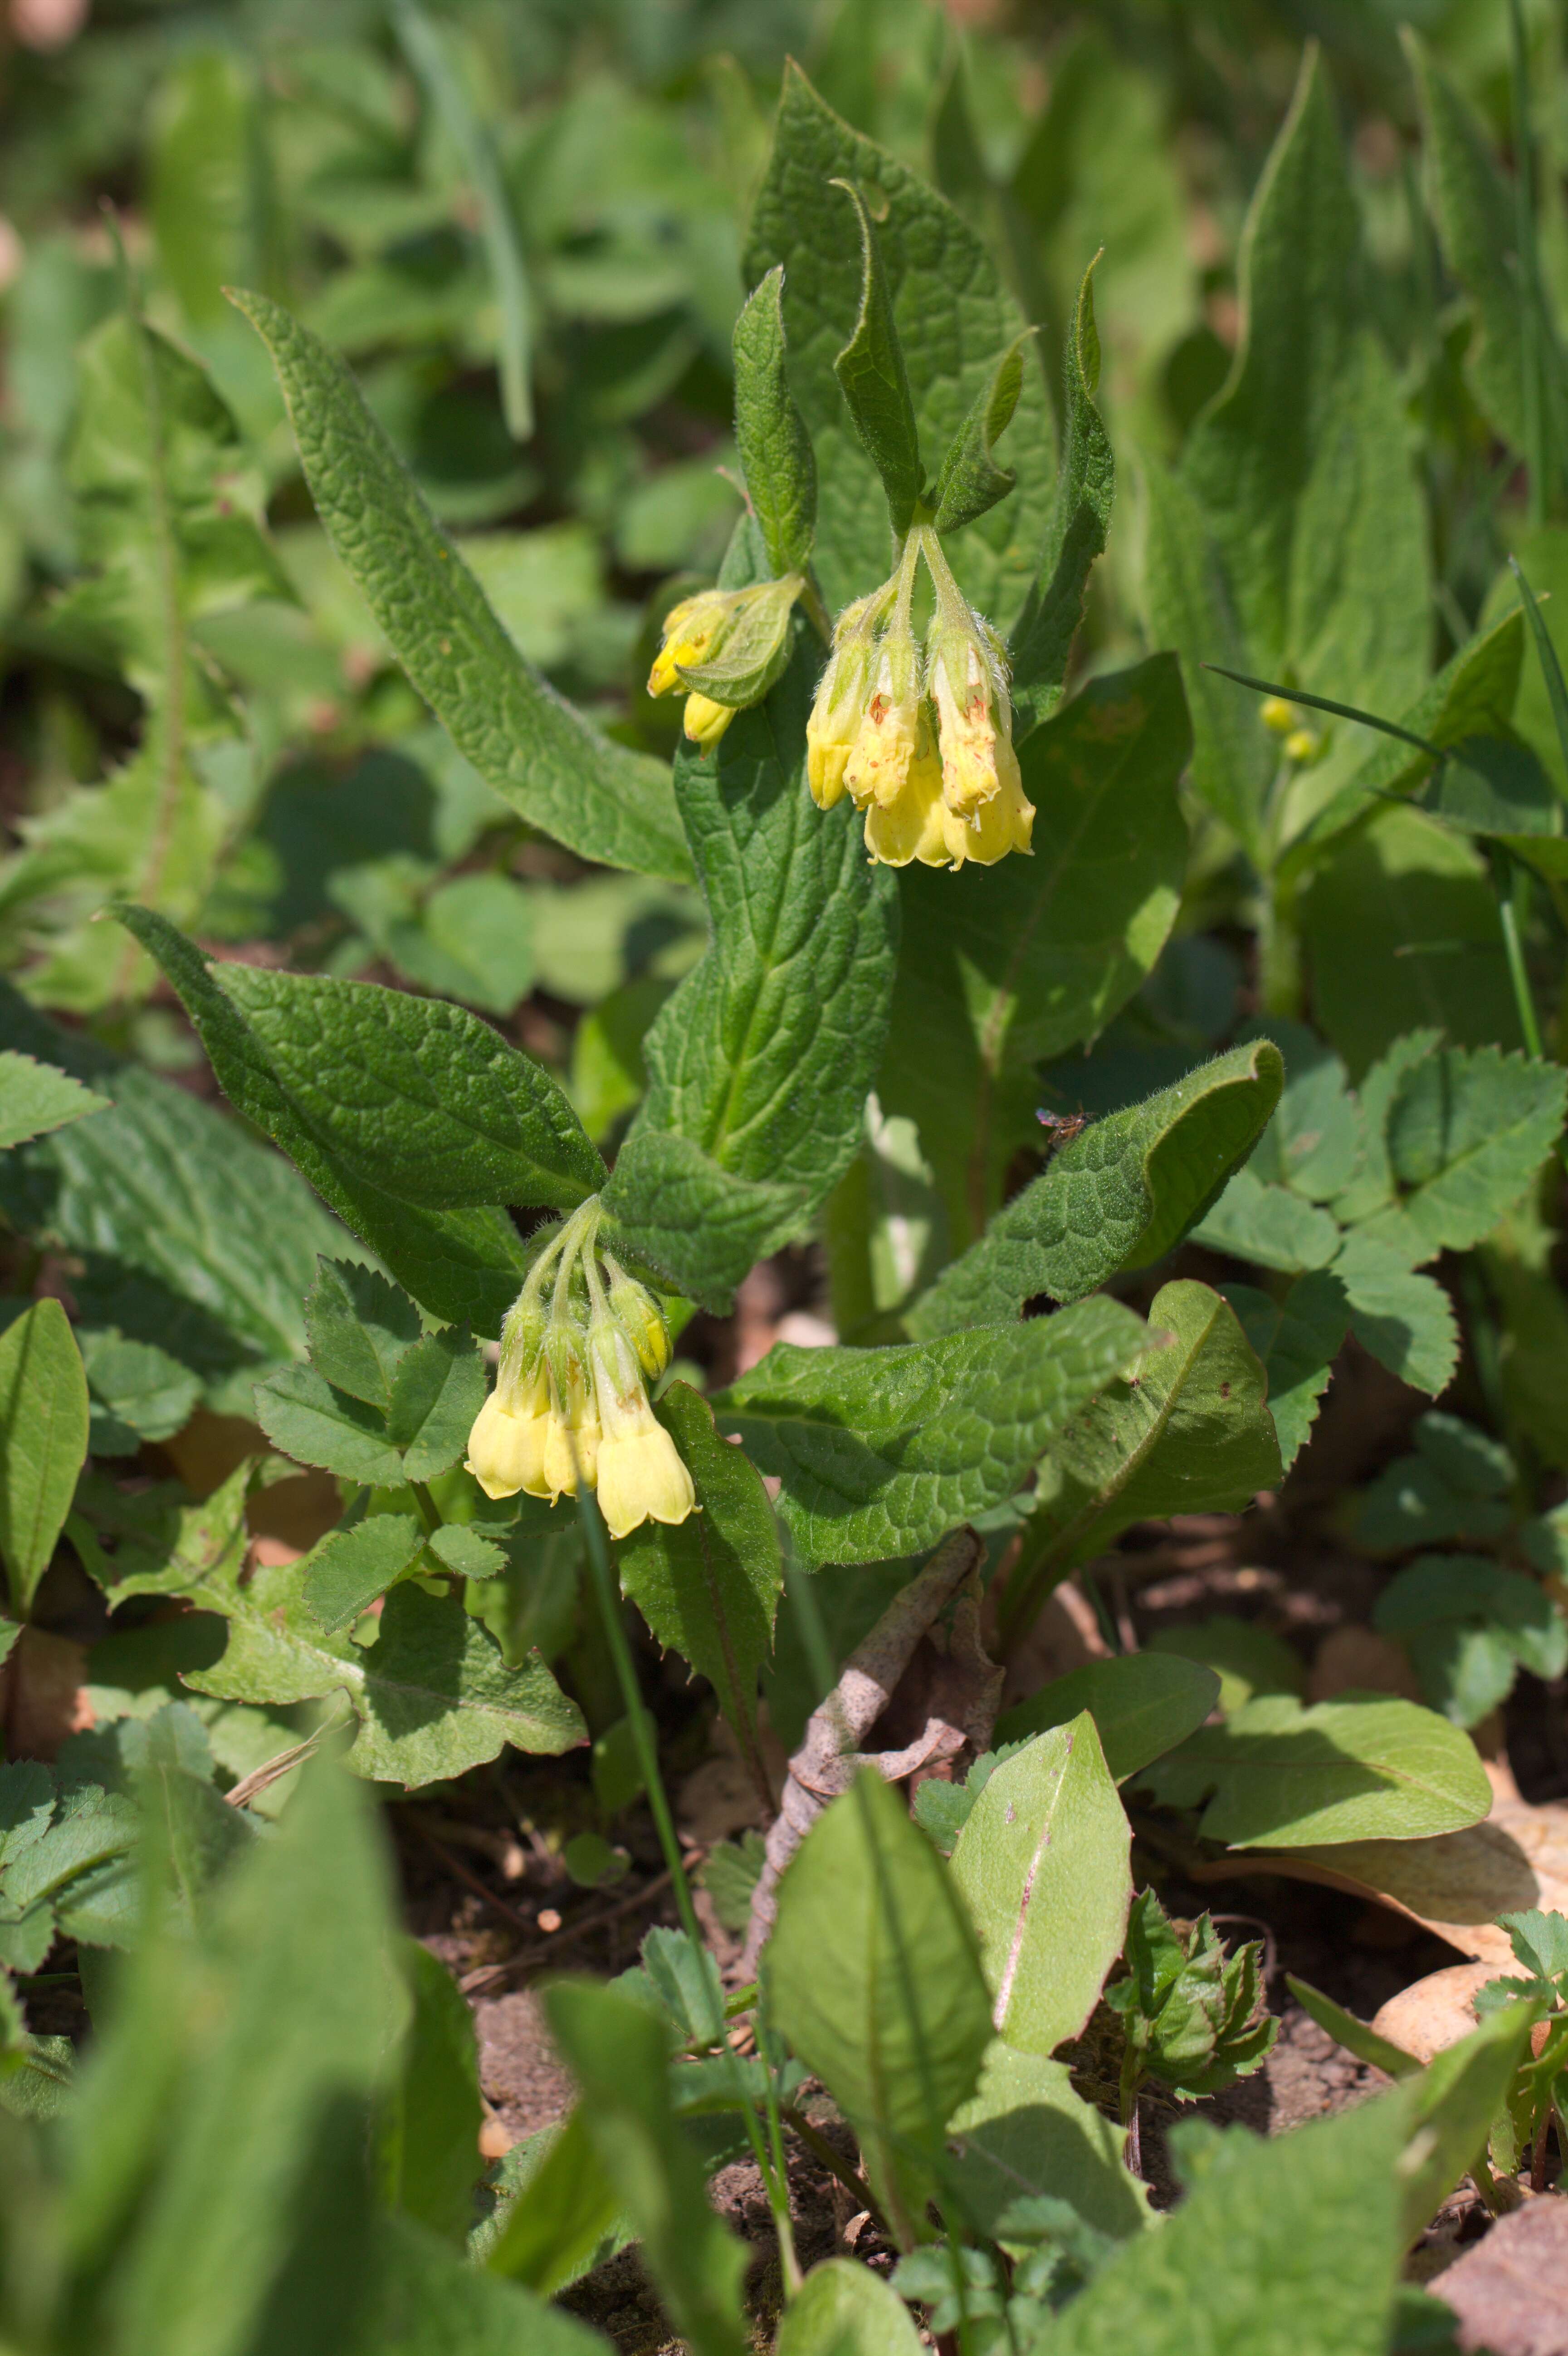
pixel 570 1403
pixel 920 738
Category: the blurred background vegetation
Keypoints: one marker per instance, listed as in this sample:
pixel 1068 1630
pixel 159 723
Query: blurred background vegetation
pixel 521 222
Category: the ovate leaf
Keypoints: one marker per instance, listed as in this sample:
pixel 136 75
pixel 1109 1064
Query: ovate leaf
pixel 881 1451
pixel 35 1097
pixel 844 2310
pixel 544 758
pixel 1027 2134
pixel 776 448
pixel 870 373
pixel 1142 1705
pixel 874 1977
pixel 1120 1195
pixel 43 1440
pixel 1277 1775
pixel 1298 1338
pixel 1042 1867
pixel 351 1569
pixel 970 480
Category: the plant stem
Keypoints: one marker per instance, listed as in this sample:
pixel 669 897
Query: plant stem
pixel 429 1515
pixel 644 1740
pixel 1536 452
pixel 1513 949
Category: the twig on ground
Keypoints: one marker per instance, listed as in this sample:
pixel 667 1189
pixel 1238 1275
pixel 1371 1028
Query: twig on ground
pixel 468 1878
pixel 830 1755
pixel 490 1975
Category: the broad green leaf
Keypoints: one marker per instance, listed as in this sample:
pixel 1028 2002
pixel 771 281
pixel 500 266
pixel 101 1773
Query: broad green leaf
pixel 35 1097
pixel 304 1417
pixel 1248 1659
pixel 1298 478
pixel 1399 927
pixel 205 204
pixel 1271 1224
pixel 229 2099
pixel 1122 1194
pixel 428 2139
pixel 550 763
pixel 43 1440
pixel 1298 1339
pixel 952 318
pixel 163 1546
pixel 1187 1431
pixel 90 1828
pixel 970 480
pixel 138 1390
pixel 776 448
pixel 1289 2247
pixel 759 1065
pixel 414 1094
pixel 1405 1320
pixel 432 1695
pixel 1026 2132
pixel 350 1569
pixel 1142 1706
pixel 191 1235
pixel 1465 1133
pixel 437 1391
pixel 565 2214
pixel 1468 1624
pixel 1477 213
pixel 874 1977
pixel 842 2308
pixel 1041 640
pixel 1041 1866
pixel 1277 1775
pixel 1004 966
pixel 464 1265
pixel 710 1587
pixel 880 1452
pixel 360 1329
pixel 871 373
pixel 619 2055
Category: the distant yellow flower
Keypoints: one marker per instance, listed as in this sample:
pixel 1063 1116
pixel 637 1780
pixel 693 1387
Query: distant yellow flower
pixel 1276 712
pixel 1303 746
pixel 640 1473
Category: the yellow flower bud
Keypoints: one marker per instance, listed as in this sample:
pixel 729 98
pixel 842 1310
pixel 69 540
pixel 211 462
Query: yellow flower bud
pixel 834 721
pixel 640 1319
pixel 689 631
pixel 1279 713
pixel 571 1439
pixel 706 721
pixel 1303 746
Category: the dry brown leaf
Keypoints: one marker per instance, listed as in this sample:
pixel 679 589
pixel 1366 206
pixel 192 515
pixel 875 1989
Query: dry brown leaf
pixel 1432 2013
pixel 1511 2292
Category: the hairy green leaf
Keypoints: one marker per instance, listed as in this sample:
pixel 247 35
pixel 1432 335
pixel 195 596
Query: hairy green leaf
pixel 351 1569
pixel 550 763
pixel 776 448
pixel 952 316
pixel 1298 1339
pixel 970 480
pixel 871 373
pixel 1405 1320
pixel 35 1097
pixel 360 1329
pixel 844 2310
pixel 1041 640
pixel 1026 2134
pixel 1119 1196
pixel 881 1451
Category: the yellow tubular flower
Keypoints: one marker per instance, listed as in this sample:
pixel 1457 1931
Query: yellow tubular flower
pixel 913 826
pixel 641 1476
pixel 506 1447
pixel 834 721
pixel 571 1439
pixel 706 721
pixel 889 734
pixel 1004 823
pixel 975 723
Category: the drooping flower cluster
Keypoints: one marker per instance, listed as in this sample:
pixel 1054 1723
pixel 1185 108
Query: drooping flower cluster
pixel 571 1408
pixel 919 737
